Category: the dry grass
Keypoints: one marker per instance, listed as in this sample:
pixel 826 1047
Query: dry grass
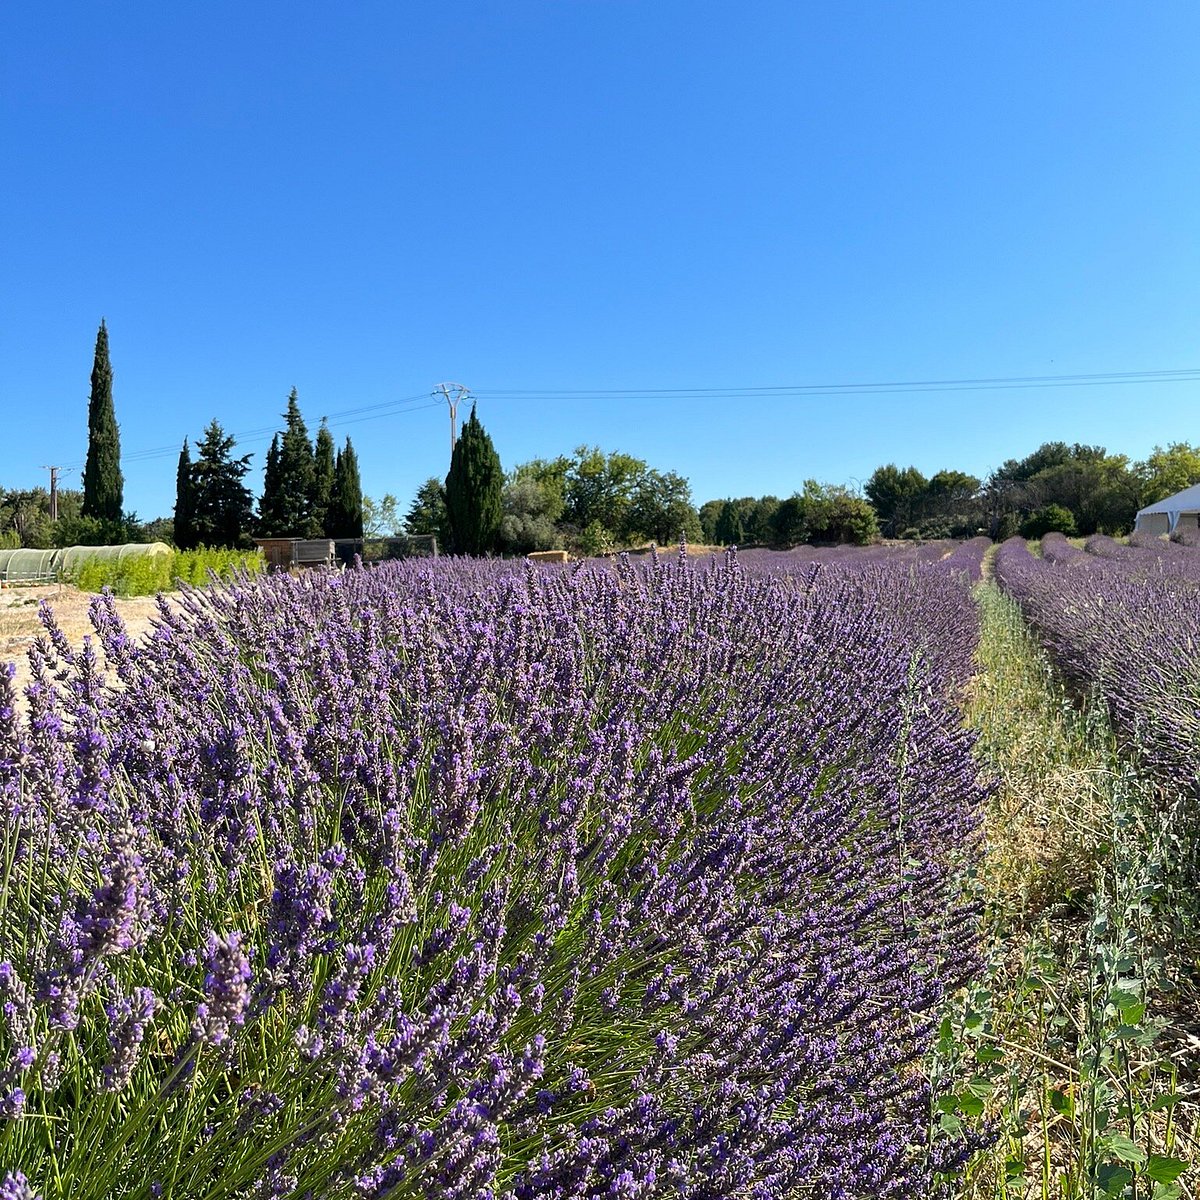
pixel 1070 1042
pixel 1048 821
pixel 697 550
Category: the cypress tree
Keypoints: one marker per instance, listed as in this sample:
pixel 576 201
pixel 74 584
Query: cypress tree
pixel 268 507
pixel 297 477
pixel 324 467
pixel 344 518
pixel 103 486
pixel 473 491
pixel 185 529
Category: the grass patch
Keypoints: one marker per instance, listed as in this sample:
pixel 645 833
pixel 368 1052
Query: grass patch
pixel 1074 1043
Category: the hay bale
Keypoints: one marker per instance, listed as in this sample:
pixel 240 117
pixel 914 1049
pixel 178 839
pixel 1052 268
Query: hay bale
pixel 558 556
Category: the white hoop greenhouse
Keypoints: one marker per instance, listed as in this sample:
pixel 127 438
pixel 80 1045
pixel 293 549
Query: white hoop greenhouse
pixel 65 563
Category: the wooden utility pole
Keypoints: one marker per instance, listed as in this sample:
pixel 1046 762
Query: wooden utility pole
pixel 53 491
pixel 454 394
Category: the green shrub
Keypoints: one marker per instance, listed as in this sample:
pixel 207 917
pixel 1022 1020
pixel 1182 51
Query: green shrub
pixel 1052 518
pixel 1008 526
pixel 146 575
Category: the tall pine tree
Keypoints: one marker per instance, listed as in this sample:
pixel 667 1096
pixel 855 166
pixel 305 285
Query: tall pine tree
pixel 297 477
pixel 185 529
pixel 289 484
pixel 268 506
pixel 103 487
pixel 344 517
pixel 222 504
pixel 473 491
pixel 427 514
pixel 323 473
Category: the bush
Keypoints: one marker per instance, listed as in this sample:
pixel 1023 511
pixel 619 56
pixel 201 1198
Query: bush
pixel 1008 526
pixel 1052 518
pixel 824 513
pixel 526 524
pixel 455 880
pixel 595 539
pixel 148 574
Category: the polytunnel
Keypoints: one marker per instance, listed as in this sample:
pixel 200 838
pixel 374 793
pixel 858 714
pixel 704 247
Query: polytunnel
pixel 65 562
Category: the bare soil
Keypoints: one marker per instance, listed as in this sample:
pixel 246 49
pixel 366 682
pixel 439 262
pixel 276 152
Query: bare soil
pixel 20 627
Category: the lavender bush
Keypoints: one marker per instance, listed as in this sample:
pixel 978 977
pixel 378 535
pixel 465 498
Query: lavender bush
pixel 1149 557
pixel 463 880
pixel 1125 620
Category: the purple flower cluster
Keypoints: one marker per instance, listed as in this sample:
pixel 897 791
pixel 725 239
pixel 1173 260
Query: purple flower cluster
pixel 608 880
pixel 14 1186
pixel 227 978
pixel 129 1018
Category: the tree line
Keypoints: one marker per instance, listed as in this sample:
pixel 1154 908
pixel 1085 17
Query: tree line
pixel 590 501
pixel 1072 489
pixel 821 512
pixel 309 488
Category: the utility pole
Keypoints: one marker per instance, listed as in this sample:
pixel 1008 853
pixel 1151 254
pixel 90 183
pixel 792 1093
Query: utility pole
pixel 53 491
pixel 454 393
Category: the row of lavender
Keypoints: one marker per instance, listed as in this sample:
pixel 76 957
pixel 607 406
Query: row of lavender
pixel 449 879
pixel 1124 619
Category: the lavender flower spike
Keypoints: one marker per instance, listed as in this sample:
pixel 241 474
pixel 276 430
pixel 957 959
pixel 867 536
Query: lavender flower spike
pixel 227 989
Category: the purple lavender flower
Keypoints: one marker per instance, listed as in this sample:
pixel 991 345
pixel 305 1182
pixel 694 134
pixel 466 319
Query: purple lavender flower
pixel 129 1018
pixel 14 1186
pixel 562 882
pixel 227 977
pixel 115 918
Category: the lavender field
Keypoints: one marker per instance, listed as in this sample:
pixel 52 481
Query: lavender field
pixel 478 880
pixel 1125 619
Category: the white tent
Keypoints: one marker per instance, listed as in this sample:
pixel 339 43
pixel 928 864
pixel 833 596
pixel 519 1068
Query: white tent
pixel 1181 511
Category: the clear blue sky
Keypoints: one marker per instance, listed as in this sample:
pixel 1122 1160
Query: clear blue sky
pixel 363 200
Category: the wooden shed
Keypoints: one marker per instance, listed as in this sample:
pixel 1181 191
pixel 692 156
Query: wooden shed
pixel 282 554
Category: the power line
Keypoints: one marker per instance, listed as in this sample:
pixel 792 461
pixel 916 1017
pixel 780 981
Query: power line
pixel 346 416
pixel 889 387
pixel 407 404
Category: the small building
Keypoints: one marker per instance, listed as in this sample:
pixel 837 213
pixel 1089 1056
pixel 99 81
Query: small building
pixel 1181 511
pixel 282 554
